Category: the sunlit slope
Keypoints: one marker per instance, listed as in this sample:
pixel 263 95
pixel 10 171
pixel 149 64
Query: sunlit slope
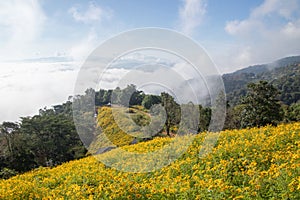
pixel 259 163
pixel 118 126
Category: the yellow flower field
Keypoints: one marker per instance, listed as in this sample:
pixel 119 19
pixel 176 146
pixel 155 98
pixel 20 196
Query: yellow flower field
pixel 258 163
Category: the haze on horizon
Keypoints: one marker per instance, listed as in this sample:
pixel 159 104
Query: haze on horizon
pixel 44 43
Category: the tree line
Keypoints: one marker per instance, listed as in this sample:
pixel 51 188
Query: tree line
pixel 259 107
pixel 50 138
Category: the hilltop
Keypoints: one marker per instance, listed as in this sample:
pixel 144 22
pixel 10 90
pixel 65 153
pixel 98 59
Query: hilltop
pixel 119 127
pixel 284 74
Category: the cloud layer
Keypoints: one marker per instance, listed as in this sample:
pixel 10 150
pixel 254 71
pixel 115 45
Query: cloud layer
pixel 27 87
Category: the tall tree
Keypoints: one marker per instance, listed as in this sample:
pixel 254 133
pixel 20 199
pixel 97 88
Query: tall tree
pixel 116 96
pixel 172 111
pixel 189 122
pixel 18 155
pixel 99 97
pixel 8 130
pixel 204 118
pixel 262 106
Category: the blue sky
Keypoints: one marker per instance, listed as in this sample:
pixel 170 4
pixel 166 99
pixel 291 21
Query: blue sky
pixel 229 30
pixel 235 34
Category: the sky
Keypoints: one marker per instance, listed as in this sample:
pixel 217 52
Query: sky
pixel 44 43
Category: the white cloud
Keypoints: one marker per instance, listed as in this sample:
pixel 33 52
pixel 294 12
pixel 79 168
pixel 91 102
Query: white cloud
pixel 283 8
pixel 237 27
pixel 263 16
pixel 93 13
pixel 22 18
pixel 271 31
pixel 21 22
pixel 191 15
pixel 27 87
pixel 292 29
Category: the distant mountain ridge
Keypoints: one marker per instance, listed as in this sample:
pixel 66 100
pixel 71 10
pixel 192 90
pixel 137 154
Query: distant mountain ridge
pixel 256 69
pixel 283 74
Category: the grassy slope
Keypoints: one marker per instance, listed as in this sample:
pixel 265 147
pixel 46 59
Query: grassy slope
pixel 111 119
pixel 258 163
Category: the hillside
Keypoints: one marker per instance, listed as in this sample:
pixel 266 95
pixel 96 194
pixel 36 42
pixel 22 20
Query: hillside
pixel 283 73
pixel 257 69
pixel 257 163
pixel 119 127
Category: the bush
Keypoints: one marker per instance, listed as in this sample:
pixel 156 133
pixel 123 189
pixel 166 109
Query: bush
pixel 6 173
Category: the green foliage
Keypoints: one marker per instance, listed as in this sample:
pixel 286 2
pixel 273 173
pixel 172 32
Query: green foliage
pixel 261 105
pixel 8 132
pixel 172 111
pixel 293 113
pixel 285 77
pixel 128 96
pixel 233 117
pixel 189 122
pixel 150 100
pixel 6 173
pixel 15 152
pixel 50 138
pixel 53 138
pixel 47 139
pixel 257 163
pixel 204 118
pixel 288 83
pixel 141 119
pixel 103 97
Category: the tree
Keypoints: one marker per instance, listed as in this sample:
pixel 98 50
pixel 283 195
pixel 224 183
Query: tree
pixel 8 130
pixel 218 112
pixel 204 118
pixel 131 96
pixel 262 106
pixel 150 100
pixel 107 96
pixel 84 111
pixel 116 96
pixel 18 156
pixel 189 119
pixel 52 138
pixel 233 117
pixel 48 138
pixel 293 112
pixel 99 97
pixel 158 118
pixel 172 111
